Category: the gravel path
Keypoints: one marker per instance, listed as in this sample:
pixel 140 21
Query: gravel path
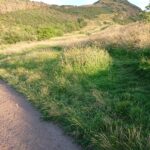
pixel 22 129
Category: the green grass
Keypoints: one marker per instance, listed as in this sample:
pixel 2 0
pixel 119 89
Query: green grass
pixel 101 97
pixel 36 24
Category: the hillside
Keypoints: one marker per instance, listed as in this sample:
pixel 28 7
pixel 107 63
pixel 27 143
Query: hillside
pixel 29 21
pixel 123 10
pixel 23 20
pixel 119 6
pixel 13 5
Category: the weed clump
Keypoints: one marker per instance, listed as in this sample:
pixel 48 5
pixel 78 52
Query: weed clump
pixel 88 60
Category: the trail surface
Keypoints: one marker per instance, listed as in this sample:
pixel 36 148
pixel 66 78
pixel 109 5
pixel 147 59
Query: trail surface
pixel 22 129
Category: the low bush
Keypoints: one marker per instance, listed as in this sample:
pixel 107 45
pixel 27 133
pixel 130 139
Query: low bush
pixel 48 32
pixel 11 37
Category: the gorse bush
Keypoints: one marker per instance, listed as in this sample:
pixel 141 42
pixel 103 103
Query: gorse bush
pixel 81 22
pixel 145 16
pixel 48 32
pixel 11 37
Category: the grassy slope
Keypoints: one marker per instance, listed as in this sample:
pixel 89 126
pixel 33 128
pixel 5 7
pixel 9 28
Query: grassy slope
pixel 101 97
pixel 43 22
pixel 35 24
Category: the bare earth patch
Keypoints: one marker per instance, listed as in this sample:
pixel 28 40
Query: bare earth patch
pixel 22 129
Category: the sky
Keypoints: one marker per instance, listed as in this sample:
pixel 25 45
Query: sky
pixel 140 3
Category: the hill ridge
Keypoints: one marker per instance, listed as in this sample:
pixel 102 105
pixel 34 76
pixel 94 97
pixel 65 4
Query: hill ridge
pixel 14 5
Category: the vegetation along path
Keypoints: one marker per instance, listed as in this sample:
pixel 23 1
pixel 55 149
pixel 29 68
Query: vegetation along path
pixel 22 129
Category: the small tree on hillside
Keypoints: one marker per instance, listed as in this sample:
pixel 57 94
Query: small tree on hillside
pixel 148 7
pixel 145 15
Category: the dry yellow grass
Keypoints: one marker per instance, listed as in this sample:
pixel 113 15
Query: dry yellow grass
pixel 135 35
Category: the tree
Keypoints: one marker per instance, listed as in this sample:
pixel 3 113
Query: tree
pixel 148 7
pixel 147 13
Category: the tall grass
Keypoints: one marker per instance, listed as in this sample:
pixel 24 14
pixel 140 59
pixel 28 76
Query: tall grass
pixel 88 60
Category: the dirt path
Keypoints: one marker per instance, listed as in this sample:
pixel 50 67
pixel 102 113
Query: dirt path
pixel 65 40
pixel 22 129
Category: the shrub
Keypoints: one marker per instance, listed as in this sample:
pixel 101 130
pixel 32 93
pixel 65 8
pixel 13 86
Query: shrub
pixel 145 16
pixel 81 22
pixel 11 37
pixel 48 32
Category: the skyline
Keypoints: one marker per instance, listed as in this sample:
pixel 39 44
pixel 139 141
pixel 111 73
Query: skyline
pixel 139 3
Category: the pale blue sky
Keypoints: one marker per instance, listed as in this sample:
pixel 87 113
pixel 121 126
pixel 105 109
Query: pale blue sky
pixel 140 3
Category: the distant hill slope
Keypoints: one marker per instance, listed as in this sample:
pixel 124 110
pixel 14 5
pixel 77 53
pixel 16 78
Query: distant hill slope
pixel 119 6
pixel 13 5
pixel 122 9
pixel 35 22
pixel 23 20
